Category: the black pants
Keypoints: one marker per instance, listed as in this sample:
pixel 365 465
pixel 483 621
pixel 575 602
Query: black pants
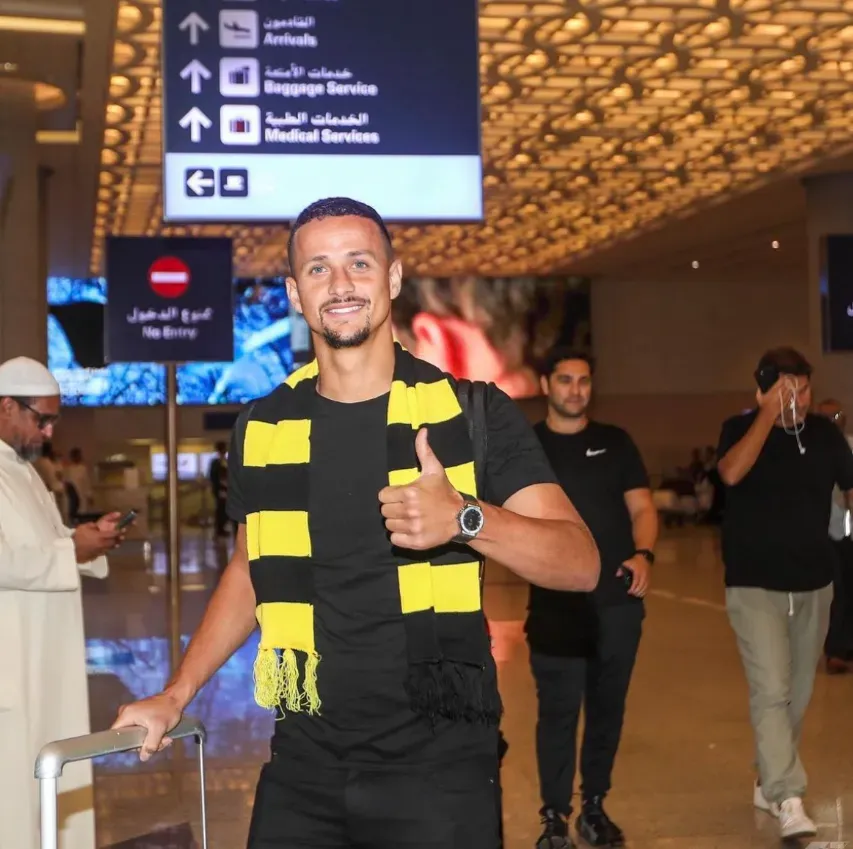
pixel 600 684
pixel 221 517
pixel 73 500
pixel 839 639
pixel 302 805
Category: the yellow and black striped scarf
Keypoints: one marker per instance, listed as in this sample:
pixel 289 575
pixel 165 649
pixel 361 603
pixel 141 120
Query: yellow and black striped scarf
pixel 440 591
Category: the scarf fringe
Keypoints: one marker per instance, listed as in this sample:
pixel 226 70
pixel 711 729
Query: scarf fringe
pixel 277 682
pixel 453 691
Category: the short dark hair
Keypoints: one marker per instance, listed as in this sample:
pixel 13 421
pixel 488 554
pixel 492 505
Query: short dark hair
pixel 785 361
pixel 336 208
pixel 221 447
pixel 561 354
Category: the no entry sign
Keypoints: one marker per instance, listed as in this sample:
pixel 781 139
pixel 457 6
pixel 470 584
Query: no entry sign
pixel 169 277
pixel 169 300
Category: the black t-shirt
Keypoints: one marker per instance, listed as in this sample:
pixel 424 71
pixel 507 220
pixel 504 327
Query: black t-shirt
pixel 776 521
pixel 595 467
pixel 365 714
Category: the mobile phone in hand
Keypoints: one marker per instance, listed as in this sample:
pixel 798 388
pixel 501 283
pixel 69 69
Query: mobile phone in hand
pixel 627 577
pixel 127 520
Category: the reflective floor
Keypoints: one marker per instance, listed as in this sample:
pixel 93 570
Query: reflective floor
pixel 683 778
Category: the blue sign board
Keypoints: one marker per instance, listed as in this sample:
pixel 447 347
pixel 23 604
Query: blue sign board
pixel 270 105
pixel 169 300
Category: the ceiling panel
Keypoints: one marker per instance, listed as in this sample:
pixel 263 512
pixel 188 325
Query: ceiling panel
pixel 601 121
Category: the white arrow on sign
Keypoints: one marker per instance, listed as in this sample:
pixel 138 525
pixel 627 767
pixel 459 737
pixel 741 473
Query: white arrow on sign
pixel 195 72
pixel 196 24
pixel 195 119
pixel 197 183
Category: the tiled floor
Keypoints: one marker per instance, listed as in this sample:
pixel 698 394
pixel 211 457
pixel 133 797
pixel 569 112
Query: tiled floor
pixel 683 778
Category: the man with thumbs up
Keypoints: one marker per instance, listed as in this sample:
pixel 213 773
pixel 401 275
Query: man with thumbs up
pixel 359 551
pixel 426 513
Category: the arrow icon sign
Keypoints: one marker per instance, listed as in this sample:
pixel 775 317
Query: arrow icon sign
pixel 195 72
pixel 196 24
pixel 195 119
pixel 197 183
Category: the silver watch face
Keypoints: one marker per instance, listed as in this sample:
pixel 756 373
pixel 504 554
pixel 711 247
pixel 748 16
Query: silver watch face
pixel 471 520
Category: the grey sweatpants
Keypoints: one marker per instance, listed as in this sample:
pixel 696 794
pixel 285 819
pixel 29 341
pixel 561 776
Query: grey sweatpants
pixel 780 637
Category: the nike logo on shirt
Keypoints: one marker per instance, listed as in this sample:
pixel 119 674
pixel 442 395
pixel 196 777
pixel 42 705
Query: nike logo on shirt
pixel 591 453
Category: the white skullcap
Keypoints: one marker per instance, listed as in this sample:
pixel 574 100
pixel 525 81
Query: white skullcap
pixel 22 377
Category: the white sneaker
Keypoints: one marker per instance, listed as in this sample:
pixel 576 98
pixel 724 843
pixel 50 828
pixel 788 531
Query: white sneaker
pixel 793 821
pixel 760 802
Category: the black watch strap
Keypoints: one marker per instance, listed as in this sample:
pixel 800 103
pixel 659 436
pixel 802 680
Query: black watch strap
pixel 648 554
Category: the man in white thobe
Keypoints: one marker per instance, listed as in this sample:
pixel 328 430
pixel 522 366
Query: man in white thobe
pixel 43 688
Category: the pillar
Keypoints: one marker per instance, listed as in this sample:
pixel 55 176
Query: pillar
pixel 829 206
pixel 23 243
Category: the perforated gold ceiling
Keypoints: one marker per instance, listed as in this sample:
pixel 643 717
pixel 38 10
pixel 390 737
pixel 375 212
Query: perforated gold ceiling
pixel 601 118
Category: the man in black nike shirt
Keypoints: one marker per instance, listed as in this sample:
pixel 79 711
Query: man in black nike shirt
pixel 583 647
pixel 373 649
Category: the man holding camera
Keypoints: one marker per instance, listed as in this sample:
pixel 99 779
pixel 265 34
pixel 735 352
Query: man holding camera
pixel 780 465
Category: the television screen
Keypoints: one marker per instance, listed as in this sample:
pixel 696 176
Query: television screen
pixel 75 351
pixel 191 465
pixel 481 328
pixel 497 329
pixel 264 356
pixel 836 292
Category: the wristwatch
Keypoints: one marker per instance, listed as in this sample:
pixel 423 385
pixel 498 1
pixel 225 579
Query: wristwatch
pixel 470 519
pixel 649 555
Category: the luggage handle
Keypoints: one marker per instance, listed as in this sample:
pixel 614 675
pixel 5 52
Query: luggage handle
pixel 53 758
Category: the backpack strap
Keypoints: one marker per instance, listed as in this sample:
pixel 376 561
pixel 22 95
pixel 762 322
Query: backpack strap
pixel 472 395
pixel 240 427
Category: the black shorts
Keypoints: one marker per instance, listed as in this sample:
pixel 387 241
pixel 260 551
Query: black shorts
pixel 301 805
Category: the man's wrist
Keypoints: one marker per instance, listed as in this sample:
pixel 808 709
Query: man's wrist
pixel 768 413
pixel 181 693
pixel 453 524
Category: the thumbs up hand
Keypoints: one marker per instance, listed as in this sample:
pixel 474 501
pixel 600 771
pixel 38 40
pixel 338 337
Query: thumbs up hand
pixel 422 515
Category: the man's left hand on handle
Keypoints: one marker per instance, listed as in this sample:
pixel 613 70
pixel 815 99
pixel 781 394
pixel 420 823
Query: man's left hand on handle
pixel 422 515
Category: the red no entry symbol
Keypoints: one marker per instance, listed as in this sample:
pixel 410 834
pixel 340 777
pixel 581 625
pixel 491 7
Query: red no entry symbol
pixel 169 277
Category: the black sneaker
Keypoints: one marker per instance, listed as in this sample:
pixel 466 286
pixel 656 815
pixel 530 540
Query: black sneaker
pixel 596 828
pixel 556 832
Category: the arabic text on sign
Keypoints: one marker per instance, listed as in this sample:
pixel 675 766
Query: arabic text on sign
pixel 290 23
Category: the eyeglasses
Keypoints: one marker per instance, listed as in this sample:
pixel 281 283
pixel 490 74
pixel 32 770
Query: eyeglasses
pixel 43 420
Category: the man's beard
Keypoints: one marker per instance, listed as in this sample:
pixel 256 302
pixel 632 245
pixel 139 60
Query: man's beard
pixel 337 340
pixel 29 453
pixel 570 414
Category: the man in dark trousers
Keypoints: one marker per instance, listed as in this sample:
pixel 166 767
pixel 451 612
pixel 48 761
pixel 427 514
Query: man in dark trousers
pixel 218 476
pixel 583 647
pixel 359 552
